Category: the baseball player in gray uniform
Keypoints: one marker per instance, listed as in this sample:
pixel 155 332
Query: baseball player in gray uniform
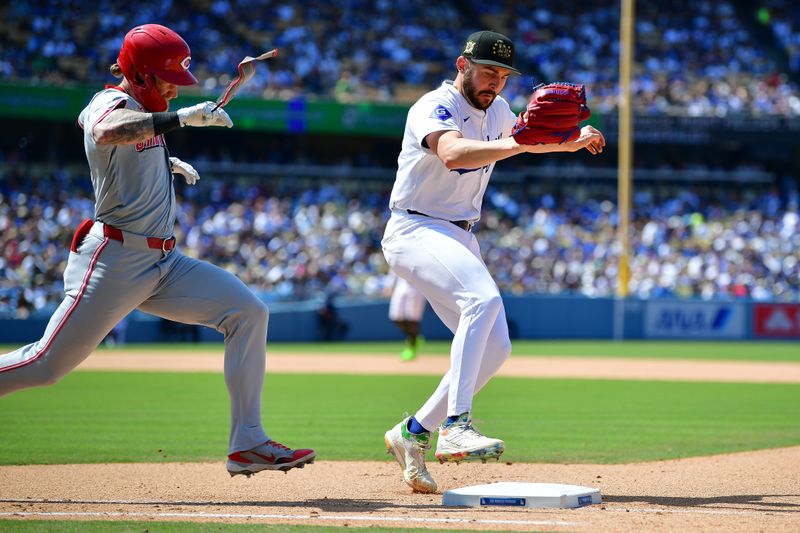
pixel 454 135
pixel 126 257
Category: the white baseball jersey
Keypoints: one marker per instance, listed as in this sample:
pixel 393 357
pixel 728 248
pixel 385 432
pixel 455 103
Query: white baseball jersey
pixel 423 183
pixel 132 182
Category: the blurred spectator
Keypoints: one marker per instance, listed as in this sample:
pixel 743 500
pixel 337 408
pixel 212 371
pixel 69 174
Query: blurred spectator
pixel 347 89
pixel 783 17
pixel 331 326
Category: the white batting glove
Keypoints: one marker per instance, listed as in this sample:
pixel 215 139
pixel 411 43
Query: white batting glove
pixel 204 114
pixel 181 167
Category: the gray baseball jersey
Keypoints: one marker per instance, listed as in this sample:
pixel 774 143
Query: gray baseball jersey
pixel 106 278
pixel 132 182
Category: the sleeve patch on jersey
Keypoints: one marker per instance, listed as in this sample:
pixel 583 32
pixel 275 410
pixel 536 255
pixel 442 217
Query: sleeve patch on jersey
pixel 441 113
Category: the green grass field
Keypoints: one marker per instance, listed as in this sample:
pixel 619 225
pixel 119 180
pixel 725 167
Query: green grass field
pixel 746 351
pixel 132 417
pixel 731 351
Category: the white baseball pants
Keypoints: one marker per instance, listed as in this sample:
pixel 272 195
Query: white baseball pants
pixel 406 303
pixel 105 280
pixel 444 262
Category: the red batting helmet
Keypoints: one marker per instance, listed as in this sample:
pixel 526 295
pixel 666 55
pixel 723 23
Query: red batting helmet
pixel 154 50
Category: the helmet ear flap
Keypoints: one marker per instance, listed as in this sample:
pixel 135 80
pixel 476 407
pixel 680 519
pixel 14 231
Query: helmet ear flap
pixel 138 79
pixel 149 81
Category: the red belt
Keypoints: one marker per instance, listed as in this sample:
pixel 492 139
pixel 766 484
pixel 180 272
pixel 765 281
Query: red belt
pixel 165 245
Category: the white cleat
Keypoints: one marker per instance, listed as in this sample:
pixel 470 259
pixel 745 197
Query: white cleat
pixel 461 441
pixel 409 450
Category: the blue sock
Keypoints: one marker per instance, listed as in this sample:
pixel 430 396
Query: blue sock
pixel 415 427
pixel 451 419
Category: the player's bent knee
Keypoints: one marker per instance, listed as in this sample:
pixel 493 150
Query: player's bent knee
pixel 489 303
pixel 46 377
pixel 247 314
pixel 500 348
pixel 256 310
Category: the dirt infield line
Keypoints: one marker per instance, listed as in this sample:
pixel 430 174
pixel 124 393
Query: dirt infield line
pixel 537 367
pixel 739 492
pixel 290 518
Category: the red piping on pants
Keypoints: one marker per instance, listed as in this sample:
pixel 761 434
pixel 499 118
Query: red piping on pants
pixel 69 312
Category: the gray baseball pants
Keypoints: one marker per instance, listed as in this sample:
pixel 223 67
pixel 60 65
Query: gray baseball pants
pixel 106 279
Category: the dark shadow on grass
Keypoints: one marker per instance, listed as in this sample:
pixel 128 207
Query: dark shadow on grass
pixel 748 501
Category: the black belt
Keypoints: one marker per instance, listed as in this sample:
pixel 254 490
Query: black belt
pixel 466 225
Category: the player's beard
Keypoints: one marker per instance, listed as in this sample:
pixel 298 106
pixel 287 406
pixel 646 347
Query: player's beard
pixel 471 93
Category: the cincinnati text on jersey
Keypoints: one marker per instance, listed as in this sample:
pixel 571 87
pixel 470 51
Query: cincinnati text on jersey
pixel 151 143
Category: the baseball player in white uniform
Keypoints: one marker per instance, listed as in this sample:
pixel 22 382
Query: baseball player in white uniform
pixel 126 256
pixel 406 307
pixel 454 135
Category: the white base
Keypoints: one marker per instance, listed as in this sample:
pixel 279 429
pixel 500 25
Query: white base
pixel 537 495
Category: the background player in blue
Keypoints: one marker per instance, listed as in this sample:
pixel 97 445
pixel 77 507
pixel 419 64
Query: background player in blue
pixel 454 136
pixel 126 257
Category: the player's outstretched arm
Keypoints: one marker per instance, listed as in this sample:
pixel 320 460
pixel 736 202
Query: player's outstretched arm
pixel 457 152
pixel 125 126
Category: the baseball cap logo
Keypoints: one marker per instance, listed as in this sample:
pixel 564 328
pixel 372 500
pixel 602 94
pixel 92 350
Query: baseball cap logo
pixel 501 49
pixel 469 47
pixel 185 62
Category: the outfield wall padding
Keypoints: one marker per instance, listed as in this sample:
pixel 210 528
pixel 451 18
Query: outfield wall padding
pixel 529 317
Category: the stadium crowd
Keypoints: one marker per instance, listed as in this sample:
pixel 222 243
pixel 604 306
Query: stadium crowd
pixel 695 58
pixel 783 18
pixel 291 243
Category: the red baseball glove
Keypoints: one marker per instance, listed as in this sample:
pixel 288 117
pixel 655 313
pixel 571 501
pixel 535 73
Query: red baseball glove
pixel 552 115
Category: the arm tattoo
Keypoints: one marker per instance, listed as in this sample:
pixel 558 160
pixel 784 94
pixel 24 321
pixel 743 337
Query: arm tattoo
pixel 125 126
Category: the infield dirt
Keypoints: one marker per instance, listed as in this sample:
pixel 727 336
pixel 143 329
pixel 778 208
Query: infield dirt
pixel 521 366
pixel 752 491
